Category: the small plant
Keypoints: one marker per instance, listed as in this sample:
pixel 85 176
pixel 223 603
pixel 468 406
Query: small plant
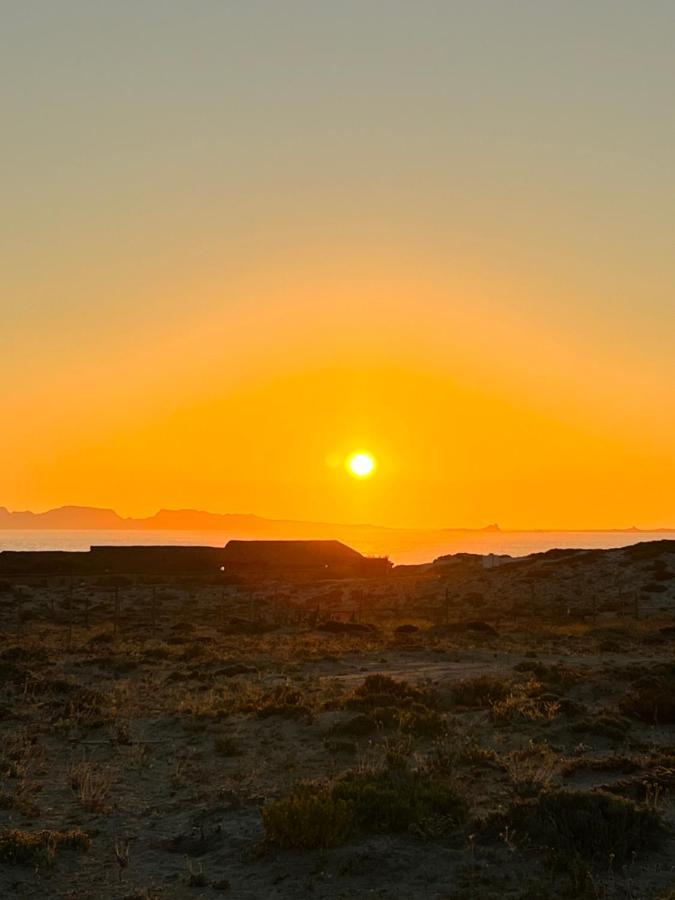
pixel 614 762
pixel 22 800
pixel 555 675
pixel 531 769
pixel 40 846
pixel 456 749
pixel 605 724
pixel 474 754
pixel 523 705
pixel 122 734
pixel 356 726
pixel 309 817
pixel 196 877
pixel 414 719
pixel 398 751
pixel 284 700
pixel 85 707
pixel 479 692
pixel 203 706
pixel 20 752
pixel 227 746
pixel 384 691
pixel 121 856
pixel 421 721
pixel 652 700
pixel 140 754
pixel 91 786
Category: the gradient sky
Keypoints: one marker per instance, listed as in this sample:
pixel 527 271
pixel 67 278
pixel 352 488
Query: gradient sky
pixel 240 239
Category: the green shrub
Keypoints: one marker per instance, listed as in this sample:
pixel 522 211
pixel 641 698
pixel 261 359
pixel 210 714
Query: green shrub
pixel 309 817
pixel 592 824
pixel 393 799
pixel 386 801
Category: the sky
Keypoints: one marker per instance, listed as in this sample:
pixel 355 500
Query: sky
pixel 240 240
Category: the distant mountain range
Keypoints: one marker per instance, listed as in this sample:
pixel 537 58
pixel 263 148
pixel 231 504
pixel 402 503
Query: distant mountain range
pixel 92 518
pixel 89 518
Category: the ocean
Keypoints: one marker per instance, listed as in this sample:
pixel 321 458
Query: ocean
pixel 401 547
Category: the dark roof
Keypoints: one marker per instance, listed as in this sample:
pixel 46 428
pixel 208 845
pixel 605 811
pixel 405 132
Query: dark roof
pixel 291 553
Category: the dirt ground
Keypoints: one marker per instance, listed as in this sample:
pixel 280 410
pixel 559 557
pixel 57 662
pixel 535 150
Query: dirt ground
pixel 150 752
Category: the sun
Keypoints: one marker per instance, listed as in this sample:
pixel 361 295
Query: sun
pixel 361 465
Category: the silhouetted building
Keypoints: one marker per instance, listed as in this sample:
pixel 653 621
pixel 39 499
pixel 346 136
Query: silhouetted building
pixel 301 559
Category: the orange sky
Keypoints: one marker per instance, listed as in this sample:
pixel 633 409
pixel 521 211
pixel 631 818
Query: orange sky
pixel 441 239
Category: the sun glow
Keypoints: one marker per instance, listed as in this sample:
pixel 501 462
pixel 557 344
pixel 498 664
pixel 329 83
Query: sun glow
pixel 361 465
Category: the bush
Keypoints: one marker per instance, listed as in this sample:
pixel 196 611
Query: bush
pixel 556 675
pixel 423 722
pixel 524 706
pixel 652 701
pixel 309 817
pixel 481 691
pixel 604 724
pixel 593 824
pixel 83 706
pixel 393 799
pixel 32 847
pixel 531 768
pixel 227 746
pixel 286 701
pixel 357 726
pixel 386 801
pixel 382 691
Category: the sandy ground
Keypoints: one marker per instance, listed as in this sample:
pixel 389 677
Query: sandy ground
pixel 164 734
